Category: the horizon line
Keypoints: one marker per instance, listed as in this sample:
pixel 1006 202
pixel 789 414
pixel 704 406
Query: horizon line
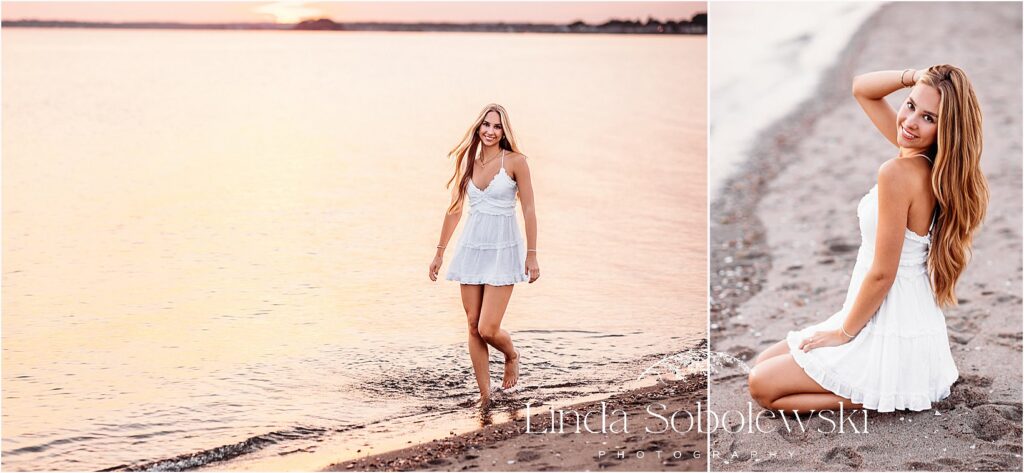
pixel 312 19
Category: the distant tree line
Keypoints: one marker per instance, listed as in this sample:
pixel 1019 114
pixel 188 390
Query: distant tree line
pixel 696 25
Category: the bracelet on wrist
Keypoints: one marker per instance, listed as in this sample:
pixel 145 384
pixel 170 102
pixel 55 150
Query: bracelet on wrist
pixel 903 76
pixel 843 328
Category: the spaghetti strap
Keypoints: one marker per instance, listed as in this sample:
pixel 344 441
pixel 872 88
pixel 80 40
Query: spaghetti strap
pixel 503 159
pixel 925 156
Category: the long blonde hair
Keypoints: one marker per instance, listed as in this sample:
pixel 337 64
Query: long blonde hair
pixel 469 146
pixel 960 188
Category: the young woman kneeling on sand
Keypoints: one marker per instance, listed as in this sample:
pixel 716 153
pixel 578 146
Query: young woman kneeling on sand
pixel 887 348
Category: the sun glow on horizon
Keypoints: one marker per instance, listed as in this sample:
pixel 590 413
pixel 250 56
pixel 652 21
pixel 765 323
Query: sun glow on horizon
pixel 288 12
pixel 294 11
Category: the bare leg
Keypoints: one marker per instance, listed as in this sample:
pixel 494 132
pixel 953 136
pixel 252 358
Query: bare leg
pixel 779 348
pixel 779 383
pixel 472 298
pixel 491 312
pixel 814 401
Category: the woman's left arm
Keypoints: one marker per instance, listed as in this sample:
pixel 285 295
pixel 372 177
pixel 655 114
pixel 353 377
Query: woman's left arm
pixel 894 197
pixel 525 183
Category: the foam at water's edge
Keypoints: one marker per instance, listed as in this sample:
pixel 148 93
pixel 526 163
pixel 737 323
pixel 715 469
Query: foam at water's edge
pixel 792 50
pixel 691 360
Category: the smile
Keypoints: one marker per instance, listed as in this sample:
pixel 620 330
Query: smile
pixel 906 134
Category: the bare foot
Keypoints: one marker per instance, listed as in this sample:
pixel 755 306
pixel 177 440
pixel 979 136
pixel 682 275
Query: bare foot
pixel 483 404
pixel 511 371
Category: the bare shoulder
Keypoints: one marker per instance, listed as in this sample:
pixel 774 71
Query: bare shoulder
pixel 904 176
pixel 515 157
pixel 516 161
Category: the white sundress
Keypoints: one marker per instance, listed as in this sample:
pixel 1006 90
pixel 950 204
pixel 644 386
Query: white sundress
pixel 901 359
pixel 491 249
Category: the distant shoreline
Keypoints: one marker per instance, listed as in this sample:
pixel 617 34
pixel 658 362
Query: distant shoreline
pixel 696 26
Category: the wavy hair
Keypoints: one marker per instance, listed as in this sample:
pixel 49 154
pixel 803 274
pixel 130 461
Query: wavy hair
pixel 469 147
pixel 959 186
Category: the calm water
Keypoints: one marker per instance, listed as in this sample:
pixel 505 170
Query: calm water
pixel 789 45
pixel 217 242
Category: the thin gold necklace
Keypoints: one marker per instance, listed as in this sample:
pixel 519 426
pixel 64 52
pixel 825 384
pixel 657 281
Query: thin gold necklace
pixel 484 162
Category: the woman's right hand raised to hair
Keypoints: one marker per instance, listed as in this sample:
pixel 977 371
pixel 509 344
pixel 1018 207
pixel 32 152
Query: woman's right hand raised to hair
pixel 435 266
pixel 870 90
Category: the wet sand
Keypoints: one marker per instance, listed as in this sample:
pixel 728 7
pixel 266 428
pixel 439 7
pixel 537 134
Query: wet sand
pixel 509 447
pixel 785 237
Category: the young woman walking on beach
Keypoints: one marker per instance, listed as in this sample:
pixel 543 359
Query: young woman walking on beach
pixel 887 348
pixel 490 257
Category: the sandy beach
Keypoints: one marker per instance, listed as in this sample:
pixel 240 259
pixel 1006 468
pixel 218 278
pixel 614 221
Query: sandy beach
pixel 646 444
pixel 784 240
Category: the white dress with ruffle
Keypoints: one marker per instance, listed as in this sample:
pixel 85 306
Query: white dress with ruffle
pixel 491 249
pixel 901 359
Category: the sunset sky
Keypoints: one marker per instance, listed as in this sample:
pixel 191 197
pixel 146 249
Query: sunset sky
pixel 290 12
